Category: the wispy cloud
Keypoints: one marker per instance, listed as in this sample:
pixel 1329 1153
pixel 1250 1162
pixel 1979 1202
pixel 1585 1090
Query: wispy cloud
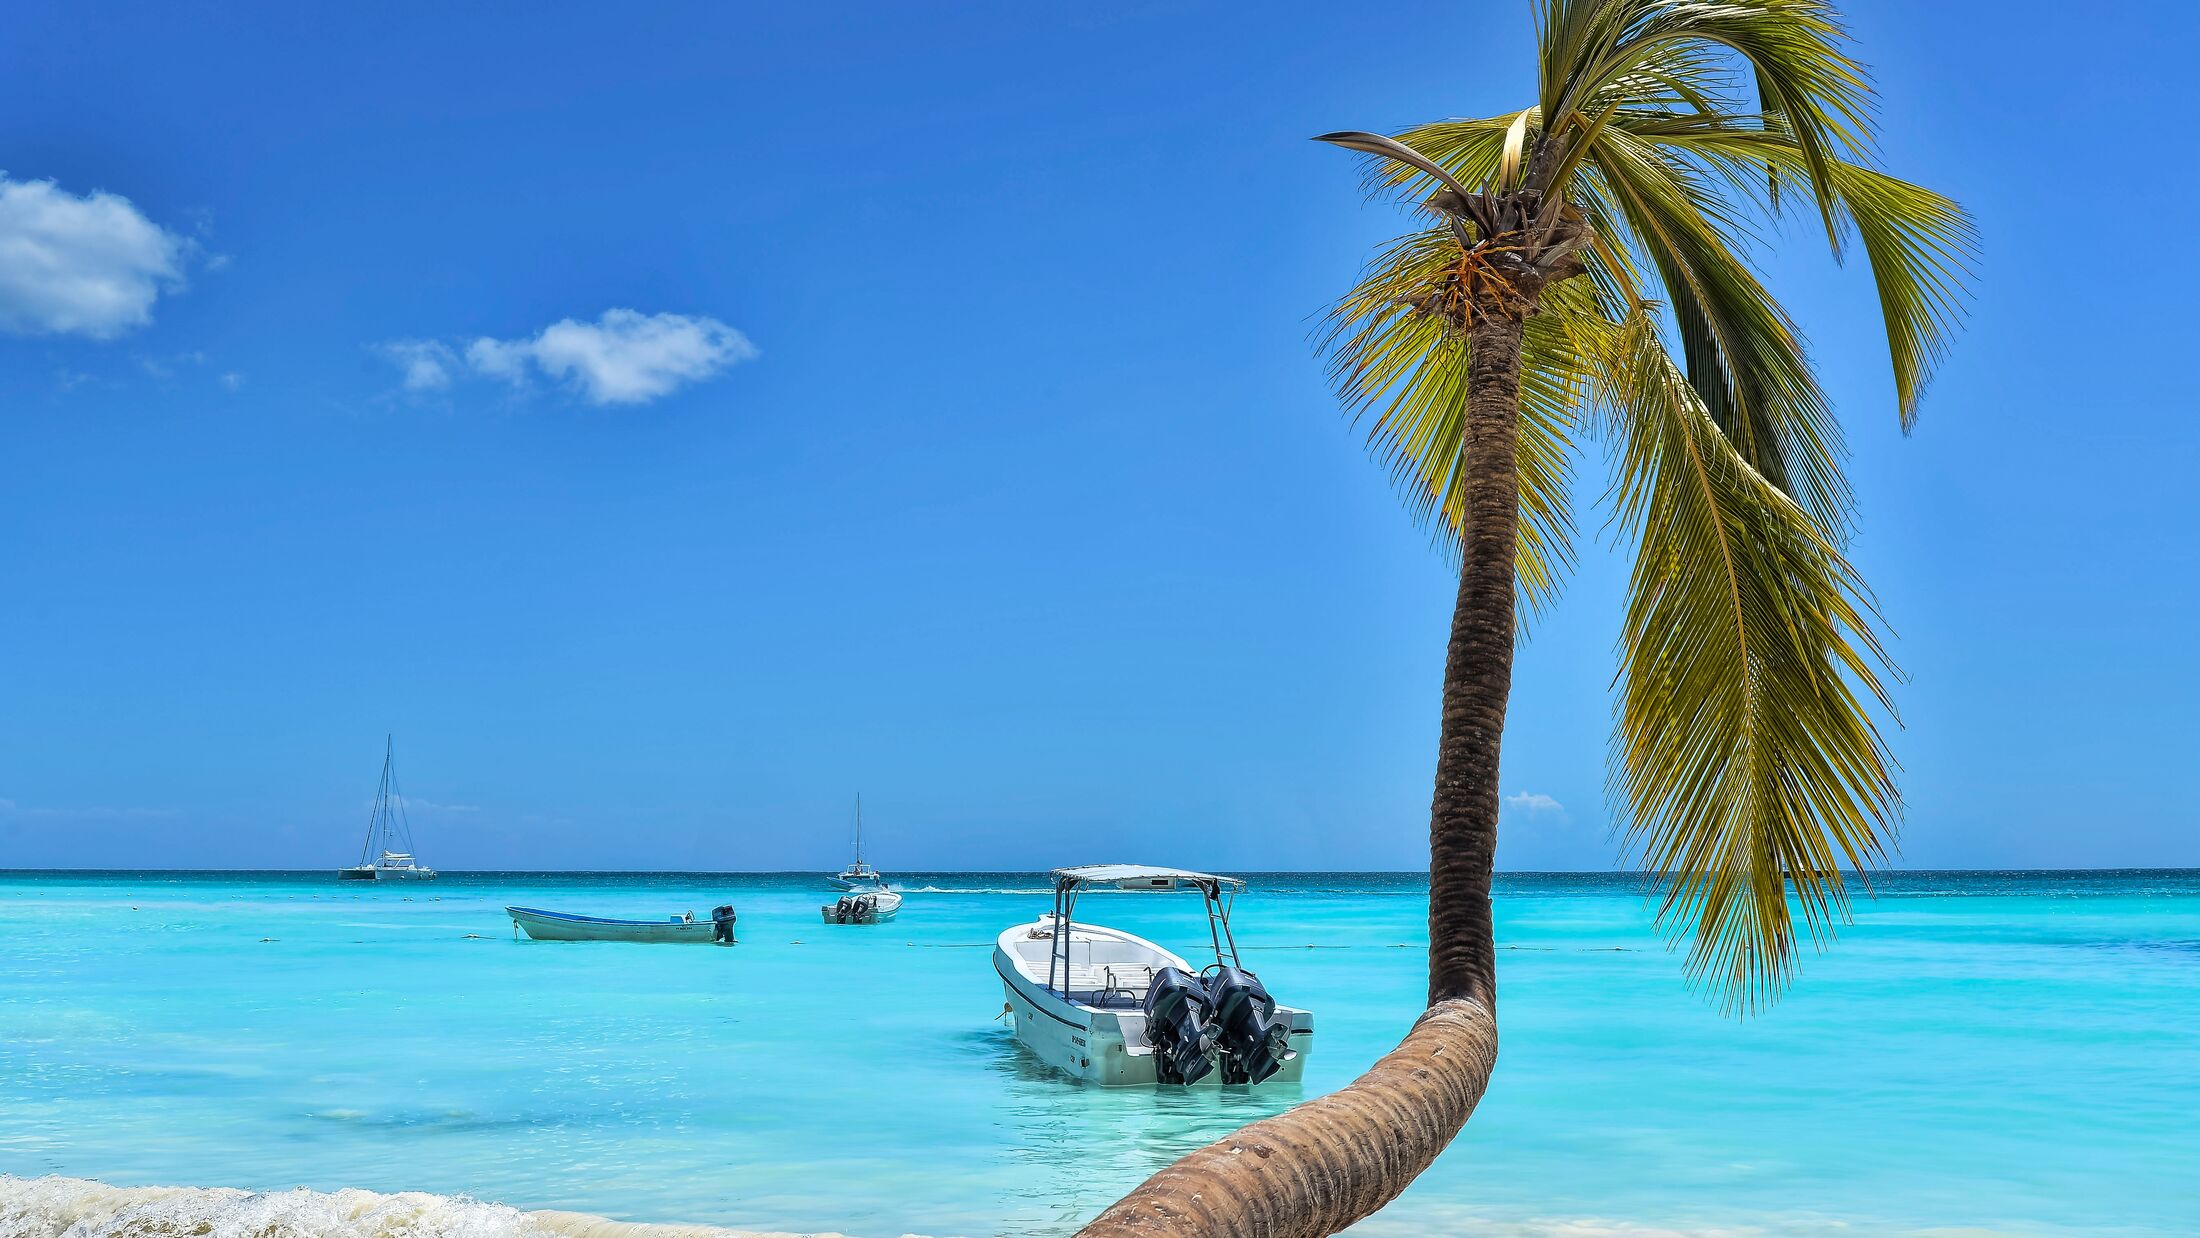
pixel 425 364
pixel 623 357
pixel 90 264
pixel 1533 803
pixel 164 368
pixel 10 810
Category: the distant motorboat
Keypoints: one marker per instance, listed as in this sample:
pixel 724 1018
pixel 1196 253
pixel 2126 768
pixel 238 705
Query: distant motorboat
pixel 541 925
pixel 1109 1008
pixel 875 905
pixel 389 832
pixel 859 875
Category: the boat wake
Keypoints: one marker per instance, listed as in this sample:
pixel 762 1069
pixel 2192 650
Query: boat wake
pixel 56 1207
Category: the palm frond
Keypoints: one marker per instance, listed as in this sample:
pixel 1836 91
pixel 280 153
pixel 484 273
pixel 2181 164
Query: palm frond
pixel 1793 49
pixel 1742 352
pixel 1744 747
pixel 1667 214
pixel 1409 372
pixel 1920 244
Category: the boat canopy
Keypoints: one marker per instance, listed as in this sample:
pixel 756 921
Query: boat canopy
pixel 1141 877
pixel 1216 894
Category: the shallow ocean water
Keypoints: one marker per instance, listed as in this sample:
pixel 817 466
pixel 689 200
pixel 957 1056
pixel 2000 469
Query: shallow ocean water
pixel 2013 1052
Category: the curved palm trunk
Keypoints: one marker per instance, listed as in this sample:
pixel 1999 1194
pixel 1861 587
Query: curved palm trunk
pixel 1332 1161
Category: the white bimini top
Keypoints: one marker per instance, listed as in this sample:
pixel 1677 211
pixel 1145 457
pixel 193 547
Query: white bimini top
pixel 1140 877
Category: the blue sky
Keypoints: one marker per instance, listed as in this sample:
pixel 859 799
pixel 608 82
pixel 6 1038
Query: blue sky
pixel 671 423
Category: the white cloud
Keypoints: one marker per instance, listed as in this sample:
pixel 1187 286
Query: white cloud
pixel 231 380
pixel 426 364
pixel 90 265
pixel 1534 803
pixel 624 357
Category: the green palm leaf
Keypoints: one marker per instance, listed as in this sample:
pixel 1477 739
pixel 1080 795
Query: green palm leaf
pixel 1743 752
pixel 1409 373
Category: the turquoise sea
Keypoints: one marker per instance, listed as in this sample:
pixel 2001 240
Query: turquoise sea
pixel 2004 1052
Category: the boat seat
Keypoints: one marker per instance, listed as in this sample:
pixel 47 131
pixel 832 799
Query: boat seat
pixel 1109 984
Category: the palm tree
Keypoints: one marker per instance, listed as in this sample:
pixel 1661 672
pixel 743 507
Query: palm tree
pixel 1588 276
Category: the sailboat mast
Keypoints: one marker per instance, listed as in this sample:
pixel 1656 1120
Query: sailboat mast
pixel 389 771
pixel 859 829
pixel 378 819
pixel 397 823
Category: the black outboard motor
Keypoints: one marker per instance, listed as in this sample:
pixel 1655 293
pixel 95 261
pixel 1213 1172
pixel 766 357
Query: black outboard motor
pixel 721 924
pixel 1254 1045
pixel 1177 1015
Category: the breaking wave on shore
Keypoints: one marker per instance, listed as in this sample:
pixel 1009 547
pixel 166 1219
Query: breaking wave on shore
pixel 54 1207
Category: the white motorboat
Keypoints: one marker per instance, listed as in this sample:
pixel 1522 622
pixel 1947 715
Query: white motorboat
pixel 863 905
pixel 389 832
pixel 1114 1009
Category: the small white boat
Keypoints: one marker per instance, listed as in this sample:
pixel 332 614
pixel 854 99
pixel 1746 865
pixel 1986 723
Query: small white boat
pixel 391 829
pixel 1111 1008
pixel 543 925
pixel 863 905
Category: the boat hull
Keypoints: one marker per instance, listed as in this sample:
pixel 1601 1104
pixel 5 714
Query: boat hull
pixel 541 925
pixel 378 872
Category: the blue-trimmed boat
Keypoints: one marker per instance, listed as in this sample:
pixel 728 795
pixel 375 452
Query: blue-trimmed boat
pixel 541 925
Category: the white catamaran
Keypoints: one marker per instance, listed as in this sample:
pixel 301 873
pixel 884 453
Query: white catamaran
pixel 389 832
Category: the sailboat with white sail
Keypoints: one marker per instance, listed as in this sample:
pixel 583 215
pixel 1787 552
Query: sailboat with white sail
pixel 387 855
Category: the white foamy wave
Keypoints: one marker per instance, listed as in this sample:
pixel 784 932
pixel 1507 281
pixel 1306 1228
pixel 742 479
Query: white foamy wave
pixel 76 1208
